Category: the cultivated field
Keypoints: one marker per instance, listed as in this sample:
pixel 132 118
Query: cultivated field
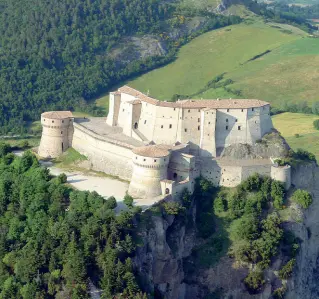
pixel 290 124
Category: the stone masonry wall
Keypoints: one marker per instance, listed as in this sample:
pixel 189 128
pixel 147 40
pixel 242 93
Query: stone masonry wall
pixel 104 156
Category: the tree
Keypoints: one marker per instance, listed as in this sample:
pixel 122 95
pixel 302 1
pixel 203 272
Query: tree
pixel 128 200
pixel 302 197
pixel 316 124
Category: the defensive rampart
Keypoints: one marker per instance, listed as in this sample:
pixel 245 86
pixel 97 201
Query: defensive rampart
pixel 106 155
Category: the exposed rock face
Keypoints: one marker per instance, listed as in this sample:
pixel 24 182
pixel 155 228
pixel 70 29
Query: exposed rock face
pixel 169 241
pixel 160 260
pixel 271 145
pixel 138 48
pixel 304 284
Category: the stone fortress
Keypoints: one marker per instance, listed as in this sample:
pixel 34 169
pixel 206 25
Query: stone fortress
pixel 162 147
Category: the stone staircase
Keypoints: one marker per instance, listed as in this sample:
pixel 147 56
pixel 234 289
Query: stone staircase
pixel 140 136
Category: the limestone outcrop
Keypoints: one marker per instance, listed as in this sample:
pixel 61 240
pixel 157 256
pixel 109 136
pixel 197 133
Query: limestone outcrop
pixel 164 266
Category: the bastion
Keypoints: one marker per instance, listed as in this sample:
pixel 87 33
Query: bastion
pixel 161 147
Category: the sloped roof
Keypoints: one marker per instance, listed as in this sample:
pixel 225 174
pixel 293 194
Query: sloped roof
pixel 196 104
pixel 153 151
pixel 57 114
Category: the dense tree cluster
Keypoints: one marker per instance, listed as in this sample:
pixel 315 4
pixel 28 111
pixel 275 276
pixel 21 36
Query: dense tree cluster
pixel 56 55
pixel 53 54
pixel 53 239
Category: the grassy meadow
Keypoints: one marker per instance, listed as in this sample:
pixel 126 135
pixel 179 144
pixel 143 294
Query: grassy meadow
pixel 291 124
pixel 288 71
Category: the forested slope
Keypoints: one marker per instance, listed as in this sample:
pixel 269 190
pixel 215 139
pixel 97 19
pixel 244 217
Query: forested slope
pixel 55 54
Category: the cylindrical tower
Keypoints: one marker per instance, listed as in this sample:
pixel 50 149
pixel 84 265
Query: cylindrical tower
pixel 282 174
pixel 57 128
pixel 149 168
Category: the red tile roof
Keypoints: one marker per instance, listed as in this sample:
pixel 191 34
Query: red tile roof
pixel 57 114
pixel 196 104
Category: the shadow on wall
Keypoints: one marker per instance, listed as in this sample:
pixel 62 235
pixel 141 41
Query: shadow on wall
pixel 224 126
pixel 82 120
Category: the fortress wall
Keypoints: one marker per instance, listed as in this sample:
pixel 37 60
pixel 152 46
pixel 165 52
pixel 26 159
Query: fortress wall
pixel 191 129
pixel 231 127
pixel 147 120
pixel 282 174
pixel 207 138
pixel 265 120
pixel 248 171
pixel 180 167
pixel 114 108
pixel 104 156
pixel 147 176
pixel 55 137
pixel 167 124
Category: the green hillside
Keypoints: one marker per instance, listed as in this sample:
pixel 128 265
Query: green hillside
pixel 288 71
pixel 298 130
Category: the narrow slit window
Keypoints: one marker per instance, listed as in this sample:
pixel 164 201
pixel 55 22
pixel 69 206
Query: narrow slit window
pixel 226 127
pixel 170 126
pixel 239 128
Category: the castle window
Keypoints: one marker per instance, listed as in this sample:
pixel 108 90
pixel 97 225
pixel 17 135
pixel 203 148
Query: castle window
pixel 226 120
pixel 185 130
pixel 123 110
pixel 170 126
pixel 144 160
pixel 236 120
pixel 207 134
pixel 239 128
pixel 199 120
pixel 52 121
pixel 174 109
pixel 61 132
pixel 226 127
pixel 198 110
pixel 209 122
pixel 144 122
pixel 189 111
pixel 44 120
pixel 62 121
pixel 227 110
pixel 155 160
pixel 162 126
pixel 135 158
pixel 252 109
pixel 198 128
pixel 242 110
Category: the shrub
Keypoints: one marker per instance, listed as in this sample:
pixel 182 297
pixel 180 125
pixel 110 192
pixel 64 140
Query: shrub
pixel 304 155
pixel 128 200
pixel 286 271
pixel 254 281
pixel 220 205
pixel 277 190
pixel 111 203
pixel 297 135
pixel 302 197
pixel 279 293
pixel 278 202
pixel 172 208
pixel 63 178
pixel 316 124
pixel 245 228
pixel 4 149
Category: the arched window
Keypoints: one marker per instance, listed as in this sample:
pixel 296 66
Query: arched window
pixel 166 191
pixel 135 125
pixel 175 175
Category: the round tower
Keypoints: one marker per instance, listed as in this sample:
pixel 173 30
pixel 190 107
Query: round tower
pixel 282 174
pixel 57 130
pixel 149 168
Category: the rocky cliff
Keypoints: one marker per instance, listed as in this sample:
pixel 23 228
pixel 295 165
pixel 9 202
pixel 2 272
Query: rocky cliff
pixel 168 262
